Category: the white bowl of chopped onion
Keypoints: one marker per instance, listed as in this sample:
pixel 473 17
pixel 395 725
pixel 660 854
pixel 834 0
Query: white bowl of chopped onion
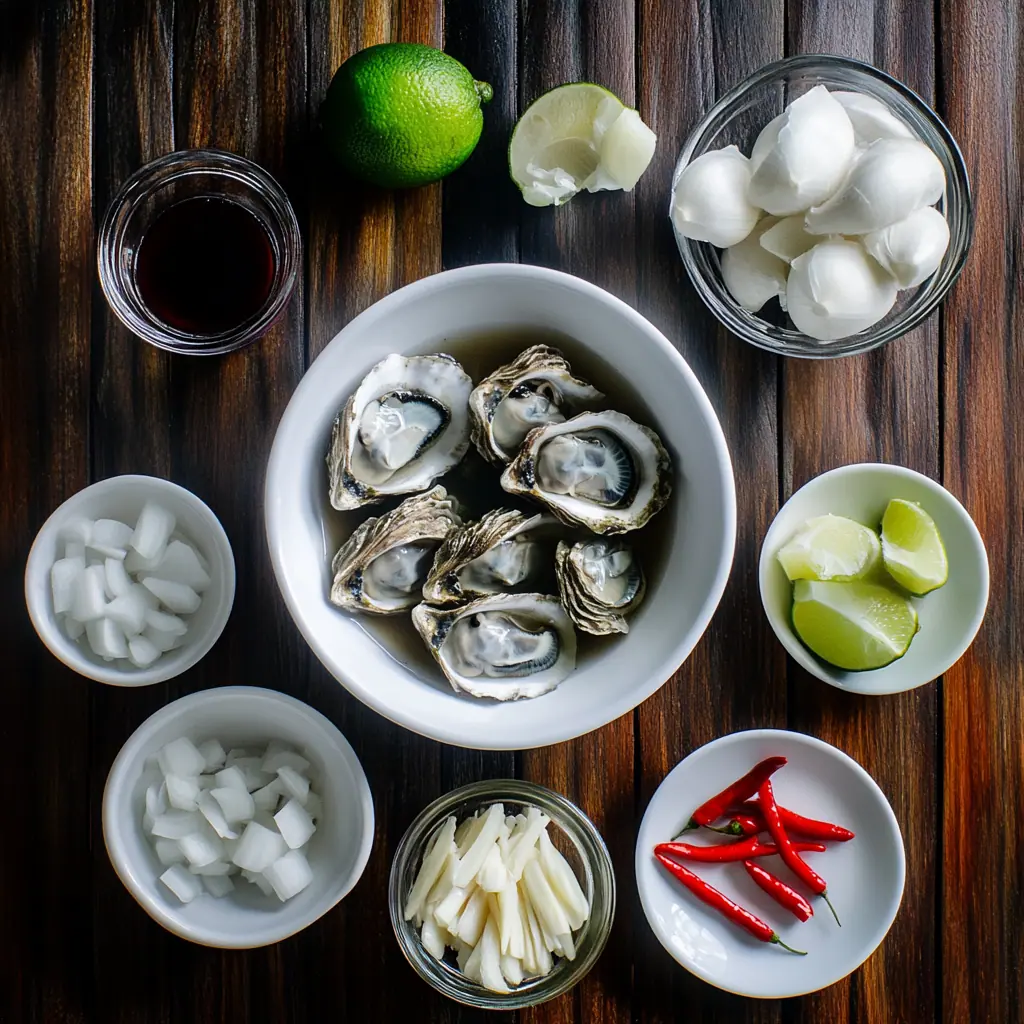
pixel 210 898
pixel 130 581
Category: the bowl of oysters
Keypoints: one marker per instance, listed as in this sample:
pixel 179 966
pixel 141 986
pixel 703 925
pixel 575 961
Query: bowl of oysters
pixel 500 507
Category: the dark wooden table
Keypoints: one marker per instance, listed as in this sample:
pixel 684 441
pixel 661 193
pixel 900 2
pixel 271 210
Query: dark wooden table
pixel 91 89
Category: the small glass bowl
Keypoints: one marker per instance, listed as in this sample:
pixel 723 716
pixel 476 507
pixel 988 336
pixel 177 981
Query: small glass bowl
pixel 579 841
pixel 149 192
pixel 738 117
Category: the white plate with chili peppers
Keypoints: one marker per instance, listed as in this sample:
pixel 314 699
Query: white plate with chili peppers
pixel 751 852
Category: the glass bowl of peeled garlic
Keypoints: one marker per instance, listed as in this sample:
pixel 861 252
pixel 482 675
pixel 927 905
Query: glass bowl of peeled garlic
pixel 821 208
pixel 502 894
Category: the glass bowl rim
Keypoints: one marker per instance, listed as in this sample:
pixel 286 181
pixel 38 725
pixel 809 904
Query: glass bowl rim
pixel 584 836
pixel 160 172
pixel 737 321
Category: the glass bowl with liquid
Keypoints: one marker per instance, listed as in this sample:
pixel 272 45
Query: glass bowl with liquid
pixel 199 252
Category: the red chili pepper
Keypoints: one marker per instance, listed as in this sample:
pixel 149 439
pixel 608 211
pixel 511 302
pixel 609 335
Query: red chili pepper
pixel 713 898
pixel 792 859
pixel 779 891
pixel 751 847
pixel 711 810
pixel 812 828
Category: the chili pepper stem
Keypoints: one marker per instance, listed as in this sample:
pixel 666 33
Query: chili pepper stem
pixel 778 942
pixel 688 827
pixel 824 896
pixel 725 830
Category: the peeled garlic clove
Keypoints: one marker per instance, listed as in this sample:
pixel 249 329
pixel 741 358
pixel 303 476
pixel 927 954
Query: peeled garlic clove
pixel 753 275
pixel 892 179
pixel 911 249
pixel 626 149
pixel 787 238
pixel 812 152
pixel 709 199
pixel 765 142
pixel 871 119
pixel 836 289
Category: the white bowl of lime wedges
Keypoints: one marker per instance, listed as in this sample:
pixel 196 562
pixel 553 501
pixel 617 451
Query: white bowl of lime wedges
pixel 895 606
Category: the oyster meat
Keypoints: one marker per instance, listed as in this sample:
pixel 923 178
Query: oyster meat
pixel 506 646
pixel 382 566
pixel 500 551
pixel 600 470
pixel 535 389
pixel 601 582
pixel 404 426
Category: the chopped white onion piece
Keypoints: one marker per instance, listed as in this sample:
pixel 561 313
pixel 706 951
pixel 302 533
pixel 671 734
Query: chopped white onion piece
pixel 77 530
pixel 182 791
pixel 177 597
pixel 213 754
pixel 200 848
pixel 183 884
pixel 64 577
pixel 295 825
pixel 267 798
pixel 231 778
pixel 210 809
pixel 218 885
pixel 73 627
pixel 294 784
pixel 255 777
pixel 156 799
pixel 284 759
pixel 180 564
pixel 180 757
pixel 289 874
pixel 129 612
pixel 215 867
pixel 168 852
pixel 235 803
pixel 152 530
pixel 257 879
pixel 161 640
pixel 106 639
pixel 258 848
pixel 90 597
pixel 175 824
pixel 118 582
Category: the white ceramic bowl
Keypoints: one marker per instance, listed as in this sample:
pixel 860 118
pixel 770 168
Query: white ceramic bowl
pixel 949 617
pixel 122 497
pixel 242 716
pixel 865 876
pixel 699 523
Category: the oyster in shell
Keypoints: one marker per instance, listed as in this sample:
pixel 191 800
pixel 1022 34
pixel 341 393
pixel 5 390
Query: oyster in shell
pixel 535 389
pixel 600 470
pixel 498 552
pixel 601 582
pixel 506 646
pixel 404 426
pixel 382 566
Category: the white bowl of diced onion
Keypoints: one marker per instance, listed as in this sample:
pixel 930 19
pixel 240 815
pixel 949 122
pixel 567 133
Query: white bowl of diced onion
pixel 475 857
pixel 298 750
pixel 185 573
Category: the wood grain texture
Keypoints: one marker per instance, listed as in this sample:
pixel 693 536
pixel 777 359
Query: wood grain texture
pixel 89 91
pixel 880 407
pixel 983 773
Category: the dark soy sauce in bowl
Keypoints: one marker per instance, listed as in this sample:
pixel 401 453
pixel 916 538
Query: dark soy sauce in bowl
pixel 205 265
pixel 476 484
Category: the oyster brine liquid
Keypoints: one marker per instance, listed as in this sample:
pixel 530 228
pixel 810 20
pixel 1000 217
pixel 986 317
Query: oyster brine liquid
pixel 477 485
pixel 205 265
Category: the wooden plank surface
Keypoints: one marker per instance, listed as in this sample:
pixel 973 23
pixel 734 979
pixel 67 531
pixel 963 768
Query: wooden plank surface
pixel 89 91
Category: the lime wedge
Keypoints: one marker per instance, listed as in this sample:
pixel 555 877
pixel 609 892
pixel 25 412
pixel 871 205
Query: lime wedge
pixel 912 549
pixel 831 548
pixel 578 136
pixel 855 625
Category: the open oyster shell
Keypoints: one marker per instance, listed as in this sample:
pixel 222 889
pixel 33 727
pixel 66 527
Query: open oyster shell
pixel 536 388
pixel 404 426
pixel 601 582
pixel 382 566
pixel 600 470
pixel 498 552
pixel 506 646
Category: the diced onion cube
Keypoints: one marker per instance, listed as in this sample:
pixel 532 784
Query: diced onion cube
pixel 152 530
pixel 177 597
pixel 182 883
pixel 284 758
pixel 168 852
pixel 180 564
pixel 210 809
pixel 161 640
pixel 77 530
pixel 142 652
pixel 180 757
pixel 258 848
pixel 106 639
pixel 118 582
pixel 289 874
pixel 231 778
pixel 218 885
pixel 235 804
pixel 215 867
pixel 73 627
pixel 200 848
pixel 175 824
pixel 295 825
pixel 267 798
pixel 156 799
pixel 213 754
pixel 182 791
pixel 295 785
pixel 64 576
pixel 257 879
pixel 128 611
pixel 90 597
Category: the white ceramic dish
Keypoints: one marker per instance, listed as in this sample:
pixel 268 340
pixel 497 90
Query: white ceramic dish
pixel 949 617
pixel 122 497
pixel 242 716
pixel 865 875
pixel 701 517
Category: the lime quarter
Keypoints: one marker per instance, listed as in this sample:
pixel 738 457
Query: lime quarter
pixel 912 549
pixel 402 114
pixel 831 548
pixel 854 626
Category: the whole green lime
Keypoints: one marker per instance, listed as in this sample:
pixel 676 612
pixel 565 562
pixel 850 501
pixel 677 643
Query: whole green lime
pixel 403 114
